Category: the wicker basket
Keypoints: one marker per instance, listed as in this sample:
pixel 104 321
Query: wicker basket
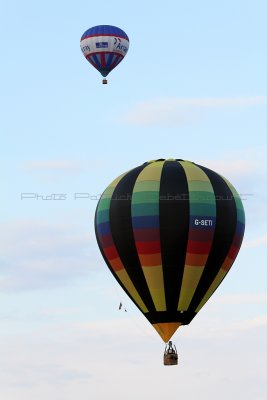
pixel 170 359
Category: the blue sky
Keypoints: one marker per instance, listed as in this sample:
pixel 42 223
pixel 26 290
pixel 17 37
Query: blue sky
pixel 193 86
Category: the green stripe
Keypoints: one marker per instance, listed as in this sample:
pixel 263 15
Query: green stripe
pixel 145 197
pixel 201 197
pixel 203 209
pixel 108 192
pixel 239 205
pixel 103 204
pixel 141 186
pixel 200 186
pixel 102 216
pixel 145 209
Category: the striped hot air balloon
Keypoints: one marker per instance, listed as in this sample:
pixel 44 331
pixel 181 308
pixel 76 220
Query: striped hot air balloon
pixel 104 46
pixel 169 231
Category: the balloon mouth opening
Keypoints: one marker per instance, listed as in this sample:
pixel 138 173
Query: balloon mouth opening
pixel 104 73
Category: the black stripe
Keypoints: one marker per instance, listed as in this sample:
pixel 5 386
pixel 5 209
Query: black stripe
pixel 122 233
pixel 174 224
pixel 170 316
pixel 226 219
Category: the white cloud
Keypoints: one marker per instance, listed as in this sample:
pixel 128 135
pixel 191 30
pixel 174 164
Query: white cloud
pixel 180 111
pixel 245 298
pixel 259 241
pixel 111 358
pixel 53 170
pixel 38 254
pixel 65 166
pixel 132 327
pixel 36 237
pixel 250 324
pixel 232 167
pixel 56 312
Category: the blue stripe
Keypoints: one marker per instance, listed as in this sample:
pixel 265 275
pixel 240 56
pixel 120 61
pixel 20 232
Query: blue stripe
pixel 96 59
pixel 240 228
pixel 103 229
pixel 105 30
pixel 145 222
pixel 109 59
pixel 120 58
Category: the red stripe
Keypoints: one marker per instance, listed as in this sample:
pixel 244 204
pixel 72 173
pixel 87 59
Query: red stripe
pixel 115 62
pixel 103 60
pixel 91 61
pixel 148 247
pixel 198 247
pixel 237 240
pixel 111 253
pixel 233 252
pixel 146 235
pixel 101 34
pixel 201 235
pixel 106 241
pixel 104 52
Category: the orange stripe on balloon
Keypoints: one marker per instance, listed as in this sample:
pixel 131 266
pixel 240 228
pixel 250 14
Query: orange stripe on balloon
pixel 116 264
pixel 150 260
pixel 198 260
pixel 228 262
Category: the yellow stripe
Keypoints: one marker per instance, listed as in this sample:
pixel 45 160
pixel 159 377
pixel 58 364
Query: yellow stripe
pixel 108 192
pixel 126 281
pixel 117 180
pixel 190 281
pixel 193 172
pixel 151 172
pixel 155 283
pixel 144 186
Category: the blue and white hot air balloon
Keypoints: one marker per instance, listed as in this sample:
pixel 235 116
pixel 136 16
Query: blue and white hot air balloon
pixel 104 46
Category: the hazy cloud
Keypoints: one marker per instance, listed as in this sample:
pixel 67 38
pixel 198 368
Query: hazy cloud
pixel 259 241
pixel 53 170
pixel 253 323
pixel 175 111
pixel 37 254
pixel 244 298
pixel 232 166
pixel 53 165
pixel 103 359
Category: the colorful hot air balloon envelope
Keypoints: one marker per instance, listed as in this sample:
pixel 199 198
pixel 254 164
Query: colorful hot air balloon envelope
pixel 104 46
pixel 169 231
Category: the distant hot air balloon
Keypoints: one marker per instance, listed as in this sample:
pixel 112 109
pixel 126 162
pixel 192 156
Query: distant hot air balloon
pixel 104 46
pixel 169 231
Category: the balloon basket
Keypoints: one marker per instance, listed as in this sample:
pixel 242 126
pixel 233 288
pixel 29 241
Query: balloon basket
pixel 170 359
pixel 104 81
pixel 170 354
